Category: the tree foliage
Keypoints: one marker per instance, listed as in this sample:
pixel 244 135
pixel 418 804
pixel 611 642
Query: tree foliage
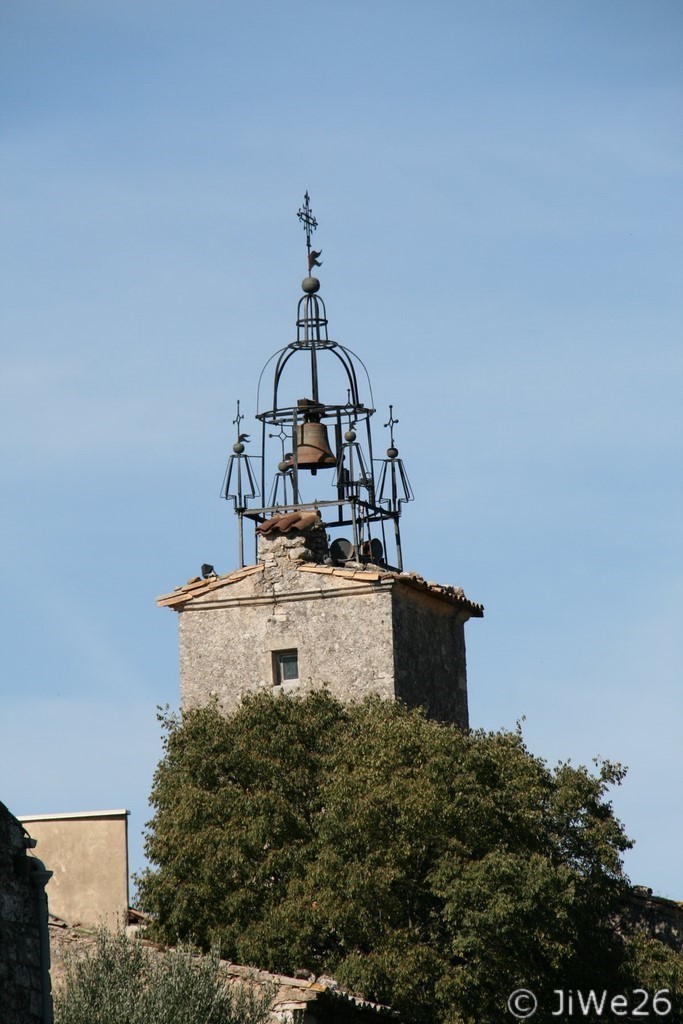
pixel 121 982
pixel 430 869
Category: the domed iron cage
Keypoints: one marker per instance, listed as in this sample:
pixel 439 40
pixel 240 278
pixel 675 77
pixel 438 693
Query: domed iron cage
pixel 355 500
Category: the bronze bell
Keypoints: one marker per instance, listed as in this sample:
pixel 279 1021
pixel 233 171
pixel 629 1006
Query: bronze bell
pixel 313 447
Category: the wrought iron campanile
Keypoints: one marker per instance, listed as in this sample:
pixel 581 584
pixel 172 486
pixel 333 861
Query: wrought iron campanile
pixel 317 450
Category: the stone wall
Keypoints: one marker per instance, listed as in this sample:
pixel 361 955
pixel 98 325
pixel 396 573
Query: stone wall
pixel 297 621
pixel 429 655
pixel 342 632
pixel 24 981
pixel 658 917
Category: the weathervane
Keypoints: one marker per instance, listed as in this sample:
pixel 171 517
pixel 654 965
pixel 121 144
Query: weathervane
pixel 309 222
pixel 238 447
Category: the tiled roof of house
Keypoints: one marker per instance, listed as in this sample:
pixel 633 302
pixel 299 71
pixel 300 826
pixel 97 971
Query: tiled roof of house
pixel 197 586
pixel 374 574
pixel 370 574
pixel 294 994
pixel 291 997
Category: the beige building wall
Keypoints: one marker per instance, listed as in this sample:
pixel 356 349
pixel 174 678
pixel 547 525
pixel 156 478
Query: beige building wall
pixel 88 853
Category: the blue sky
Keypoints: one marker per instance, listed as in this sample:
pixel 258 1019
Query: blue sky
pixel 498 187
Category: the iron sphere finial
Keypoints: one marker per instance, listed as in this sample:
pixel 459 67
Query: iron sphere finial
pixel 310 285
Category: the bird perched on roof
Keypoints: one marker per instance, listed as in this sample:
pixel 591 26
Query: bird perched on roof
pixel 208 571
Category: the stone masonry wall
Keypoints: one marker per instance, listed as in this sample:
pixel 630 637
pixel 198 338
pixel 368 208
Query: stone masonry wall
pixel 20 967
pixel 342 633
pixel 658 917
pixel 356 630
pixel 429 654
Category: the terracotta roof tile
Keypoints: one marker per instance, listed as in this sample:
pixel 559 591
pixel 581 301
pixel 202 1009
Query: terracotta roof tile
pixel 454 595
pixel 198 587
pixel 371 575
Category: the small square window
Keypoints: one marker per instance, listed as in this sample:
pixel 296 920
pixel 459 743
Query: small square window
pixel 285 667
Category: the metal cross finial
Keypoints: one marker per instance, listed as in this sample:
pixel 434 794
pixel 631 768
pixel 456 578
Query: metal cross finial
pixel 309 222
pixel 307 219
pixel 390 423
pixel 239 417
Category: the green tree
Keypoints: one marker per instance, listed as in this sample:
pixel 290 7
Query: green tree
pixel 236 803
pixel 430 869
pixel 121 982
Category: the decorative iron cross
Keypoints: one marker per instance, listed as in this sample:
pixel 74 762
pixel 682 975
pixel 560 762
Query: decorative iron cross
pixel 390 423
pixel 239 417
pixel 309 222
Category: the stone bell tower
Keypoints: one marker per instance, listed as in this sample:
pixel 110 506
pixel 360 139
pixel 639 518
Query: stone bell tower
pixel 326 602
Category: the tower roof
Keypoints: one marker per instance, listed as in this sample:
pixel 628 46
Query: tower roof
pixel 370 576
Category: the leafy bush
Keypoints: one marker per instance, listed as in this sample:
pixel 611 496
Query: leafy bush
pixel 122 982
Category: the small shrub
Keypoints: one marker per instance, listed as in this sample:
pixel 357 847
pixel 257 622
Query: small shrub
pixel 122 982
